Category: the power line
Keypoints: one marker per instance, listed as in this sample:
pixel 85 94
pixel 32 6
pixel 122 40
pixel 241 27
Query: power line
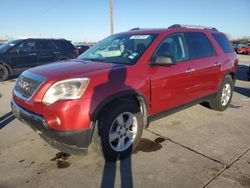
pixel 46 11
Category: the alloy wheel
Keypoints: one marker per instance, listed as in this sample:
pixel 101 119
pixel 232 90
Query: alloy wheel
pixel 123 131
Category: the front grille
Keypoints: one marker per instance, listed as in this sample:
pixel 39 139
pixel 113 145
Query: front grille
pixel 26 86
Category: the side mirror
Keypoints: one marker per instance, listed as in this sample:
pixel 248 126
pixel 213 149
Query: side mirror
pixel 15 51
pixel 164 60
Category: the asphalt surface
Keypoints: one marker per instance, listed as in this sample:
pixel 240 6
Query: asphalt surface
pixel 196 147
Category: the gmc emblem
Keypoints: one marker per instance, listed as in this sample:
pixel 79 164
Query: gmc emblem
pixel 23 85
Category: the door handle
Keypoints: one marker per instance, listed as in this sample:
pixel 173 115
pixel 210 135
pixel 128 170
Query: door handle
pixel 32 54
pixel 190 70
pixel 217 64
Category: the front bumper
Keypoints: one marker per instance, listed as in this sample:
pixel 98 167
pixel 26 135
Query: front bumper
pixel 74 142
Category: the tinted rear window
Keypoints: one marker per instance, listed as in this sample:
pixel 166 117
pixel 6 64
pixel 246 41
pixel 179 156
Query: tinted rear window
pixel 199 46
pixel 223 42
pixel 64 44
pixel 45 45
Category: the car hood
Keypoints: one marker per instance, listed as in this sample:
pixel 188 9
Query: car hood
pixel 72 69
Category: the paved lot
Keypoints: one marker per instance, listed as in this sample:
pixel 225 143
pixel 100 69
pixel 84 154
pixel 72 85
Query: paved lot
pixel 196 147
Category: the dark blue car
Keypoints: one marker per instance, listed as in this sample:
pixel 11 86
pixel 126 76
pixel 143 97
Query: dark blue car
pixel 19 55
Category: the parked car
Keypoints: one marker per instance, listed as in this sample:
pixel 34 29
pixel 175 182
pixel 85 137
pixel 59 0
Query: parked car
pixel 19 55
pixel 247 50
pixel 82 48
pixel 107 100
pixel 241 49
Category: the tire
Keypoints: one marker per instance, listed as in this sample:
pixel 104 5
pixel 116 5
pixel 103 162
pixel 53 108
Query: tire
pixel 4 73
pixel 120 128
pixel 224 95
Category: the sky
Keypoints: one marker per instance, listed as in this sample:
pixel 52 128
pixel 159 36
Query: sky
pixel 88 20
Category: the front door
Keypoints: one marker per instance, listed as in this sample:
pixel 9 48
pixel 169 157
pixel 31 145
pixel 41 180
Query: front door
pixel 171 85
pixel 23 56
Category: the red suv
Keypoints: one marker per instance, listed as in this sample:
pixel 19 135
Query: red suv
pixel 247 50
pixel 111 92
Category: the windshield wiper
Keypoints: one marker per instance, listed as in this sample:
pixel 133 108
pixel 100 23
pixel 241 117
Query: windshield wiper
pixel 96 60
pixel 105 61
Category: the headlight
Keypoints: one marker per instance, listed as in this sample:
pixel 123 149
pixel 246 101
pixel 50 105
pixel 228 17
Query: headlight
pixel 66 89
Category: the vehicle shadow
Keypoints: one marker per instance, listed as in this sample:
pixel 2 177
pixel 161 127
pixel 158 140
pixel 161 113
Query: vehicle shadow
pixel 116 79
pixel 109 173
pixel 12 78
pixel 242 91
pixel 242 73
pixel 110 168
pixel 6 119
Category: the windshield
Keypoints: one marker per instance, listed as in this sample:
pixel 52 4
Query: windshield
pixel 120 48
pixel 5 47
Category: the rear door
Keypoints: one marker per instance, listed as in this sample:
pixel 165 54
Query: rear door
pixel 205 63
pixel 172 85
pixel 46 51
pixel 67 49
pixel 23 55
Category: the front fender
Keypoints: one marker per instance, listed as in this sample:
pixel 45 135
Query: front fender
pixel 130 94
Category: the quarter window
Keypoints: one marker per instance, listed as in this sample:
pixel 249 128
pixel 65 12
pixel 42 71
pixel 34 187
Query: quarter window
pixel 45 45
pixel 199 46
pixel 223 42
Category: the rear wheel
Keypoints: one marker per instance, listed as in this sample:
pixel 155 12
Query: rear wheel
pixel 224 95
pixel 120 129
pixel 4 73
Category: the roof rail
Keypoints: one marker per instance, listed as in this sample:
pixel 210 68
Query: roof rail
pixel 136 28
pixel 41 38
pixel 191 26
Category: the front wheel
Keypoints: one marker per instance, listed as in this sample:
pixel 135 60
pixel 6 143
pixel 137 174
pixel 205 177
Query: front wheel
pixel 120 129
pixel 4 73
pixel 224 95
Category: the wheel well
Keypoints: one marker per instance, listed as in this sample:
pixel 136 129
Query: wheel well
pixel 233 75
pixel 133 98
pixel 1 63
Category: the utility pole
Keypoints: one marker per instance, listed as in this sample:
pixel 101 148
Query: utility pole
pixel 111 17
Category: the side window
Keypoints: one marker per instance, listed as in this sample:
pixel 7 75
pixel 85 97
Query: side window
pixel 63 45
pixel 45 45
pixel 58 44
pixel 223 42
pixel 24 47
pixel 52 46
pixel 68 45
pixel 173 45
pixel 199 46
